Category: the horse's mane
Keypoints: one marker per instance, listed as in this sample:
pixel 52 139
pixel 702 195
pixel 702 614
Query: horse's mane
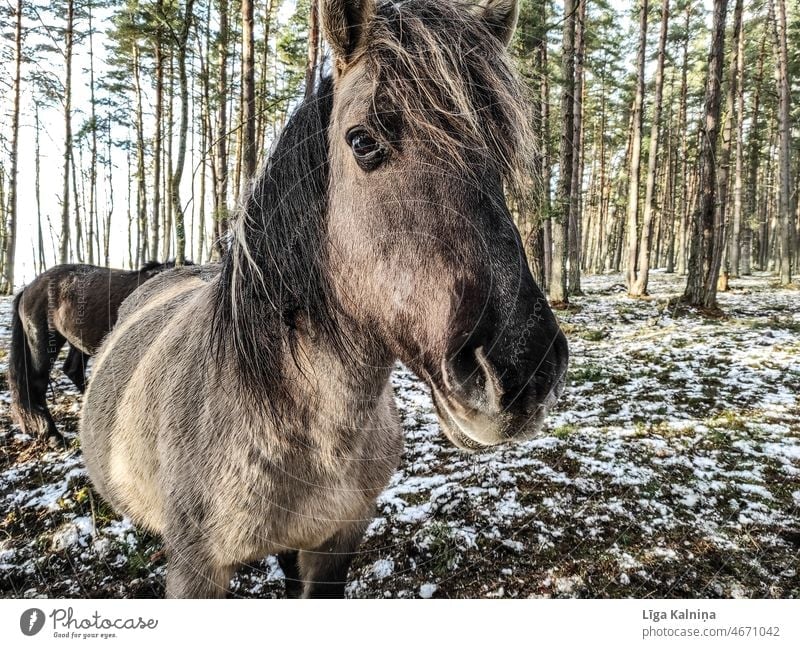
pixel 275 269
pixel 158 266
pixel 440 78
pixel 153 265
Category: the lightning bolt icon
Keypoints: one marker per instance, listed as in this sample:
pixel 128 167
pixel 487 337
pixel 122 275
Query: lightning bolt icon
pixel 32 620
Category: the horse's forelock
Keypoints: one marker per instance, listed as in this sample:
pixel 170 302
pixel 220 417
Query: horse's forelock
pixel 438 66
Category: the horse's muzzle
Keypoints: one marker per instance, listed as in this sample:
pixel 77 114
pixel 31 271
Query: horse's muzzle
pixel 482 404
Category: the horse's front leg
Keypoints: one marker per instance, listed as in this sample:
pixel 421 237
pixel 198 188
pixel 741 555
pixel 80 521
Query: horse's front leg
pixel 324 570
pixel 290 565
pixel 192 575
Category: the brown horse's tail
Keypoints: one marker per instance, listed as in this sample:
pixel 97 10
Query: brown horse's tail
pixel 28 391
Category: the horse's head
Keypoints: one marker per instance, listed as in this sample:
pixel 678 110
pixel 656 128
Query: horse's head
pixel 428 129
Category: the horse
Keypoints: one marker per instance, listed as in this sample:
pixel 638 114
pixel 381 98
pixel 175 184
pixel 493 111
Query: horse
pixel 74 303
pixel 252 413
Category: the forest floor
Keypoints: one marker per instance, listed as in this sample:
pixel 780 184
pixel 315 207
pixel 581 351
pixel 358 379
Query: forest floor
pixel 671 468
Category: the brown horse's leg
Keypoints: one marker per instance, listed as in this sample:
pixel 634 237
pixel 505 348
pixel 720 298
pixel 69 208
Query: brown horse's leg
pixel 190 576
pixel 324 570
pixel 75 367
pixel 288 561
pixel 44 345
pixel 28 372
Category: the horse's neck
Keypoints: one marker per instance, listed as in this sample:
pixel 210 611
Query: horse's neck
pixel 353 378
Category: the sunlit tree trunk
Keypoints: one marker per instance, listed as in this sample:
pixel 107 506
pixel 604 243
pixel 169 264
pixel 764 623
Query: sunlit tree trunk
pixel 557 287
pixel 141 183
pixel 312 59
pixel 736 220
pixel 10 242
pixel 632 212
pixel 110 179
pixel 205 133
pixel 262 97
pixel 65 234
pixel 158 135
pixel 701 282
pixel 166 220
pixel 784 215
pixel 721 216
pixel 41 260
pixel 129 211
pixel 92 207
pixel 544 98
pixel 604 188
pixel 248 92
pixel 639 284
pixel 683 228
pixel 177 173
pixel 221 157
pixel 575 207
pixel 753 158
pixel 78 249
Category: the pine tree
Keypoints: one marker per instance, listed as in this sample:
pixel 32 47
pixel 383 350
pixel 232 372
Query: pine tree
pixel 701 283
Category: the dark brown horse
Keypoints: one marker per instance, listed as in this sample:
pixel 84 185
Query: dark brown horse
pixel 74 303
pixel 252 413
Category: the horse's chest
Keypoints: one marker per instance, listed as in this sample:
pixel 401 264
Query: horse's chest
pixel 299 497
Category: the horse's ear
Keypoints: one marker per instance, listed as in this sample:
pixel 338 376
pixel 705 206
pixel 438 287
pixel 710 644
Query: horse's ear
pixel 343 25
pixel 500 17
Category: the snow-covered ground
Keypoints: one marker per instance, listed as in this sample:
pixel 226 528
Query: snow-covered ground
pixel 670 468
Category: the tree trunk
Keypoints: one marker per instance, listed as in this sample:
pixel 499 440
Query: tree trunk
pixel 64 243
pixel 78 227
pixel 753 158
pixel 166 221
pixel 544 99
pixel 206 132
pixel 604 188
pixel 177 174
pixel 92 212
pixel 158 136
pixel 576 183
pixel 701 282
pixel 639 284
pixel 727 138
pixel 736 230
pixel 312 59
pixel 10 248
pixel 141 182
pixel 221 161
pixel 785 222
pixel 129 202
pixel 41 260
pixel 110 210
pixel 262 97
pixel 632 212
pixel 557 288
pixel 683 228
pixel 248 92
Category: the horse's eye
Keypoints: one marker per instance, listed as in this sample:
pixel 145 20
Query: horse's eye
pixel 368 151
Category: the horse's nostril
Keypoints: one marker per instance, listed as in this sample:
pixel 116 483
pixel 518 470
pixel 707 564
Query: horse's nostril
pixel 469 375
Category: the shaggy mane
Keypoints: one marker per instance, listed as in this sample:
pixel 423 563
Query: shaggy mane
pixel 151 266
pixel 275 268
pixel 452 83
